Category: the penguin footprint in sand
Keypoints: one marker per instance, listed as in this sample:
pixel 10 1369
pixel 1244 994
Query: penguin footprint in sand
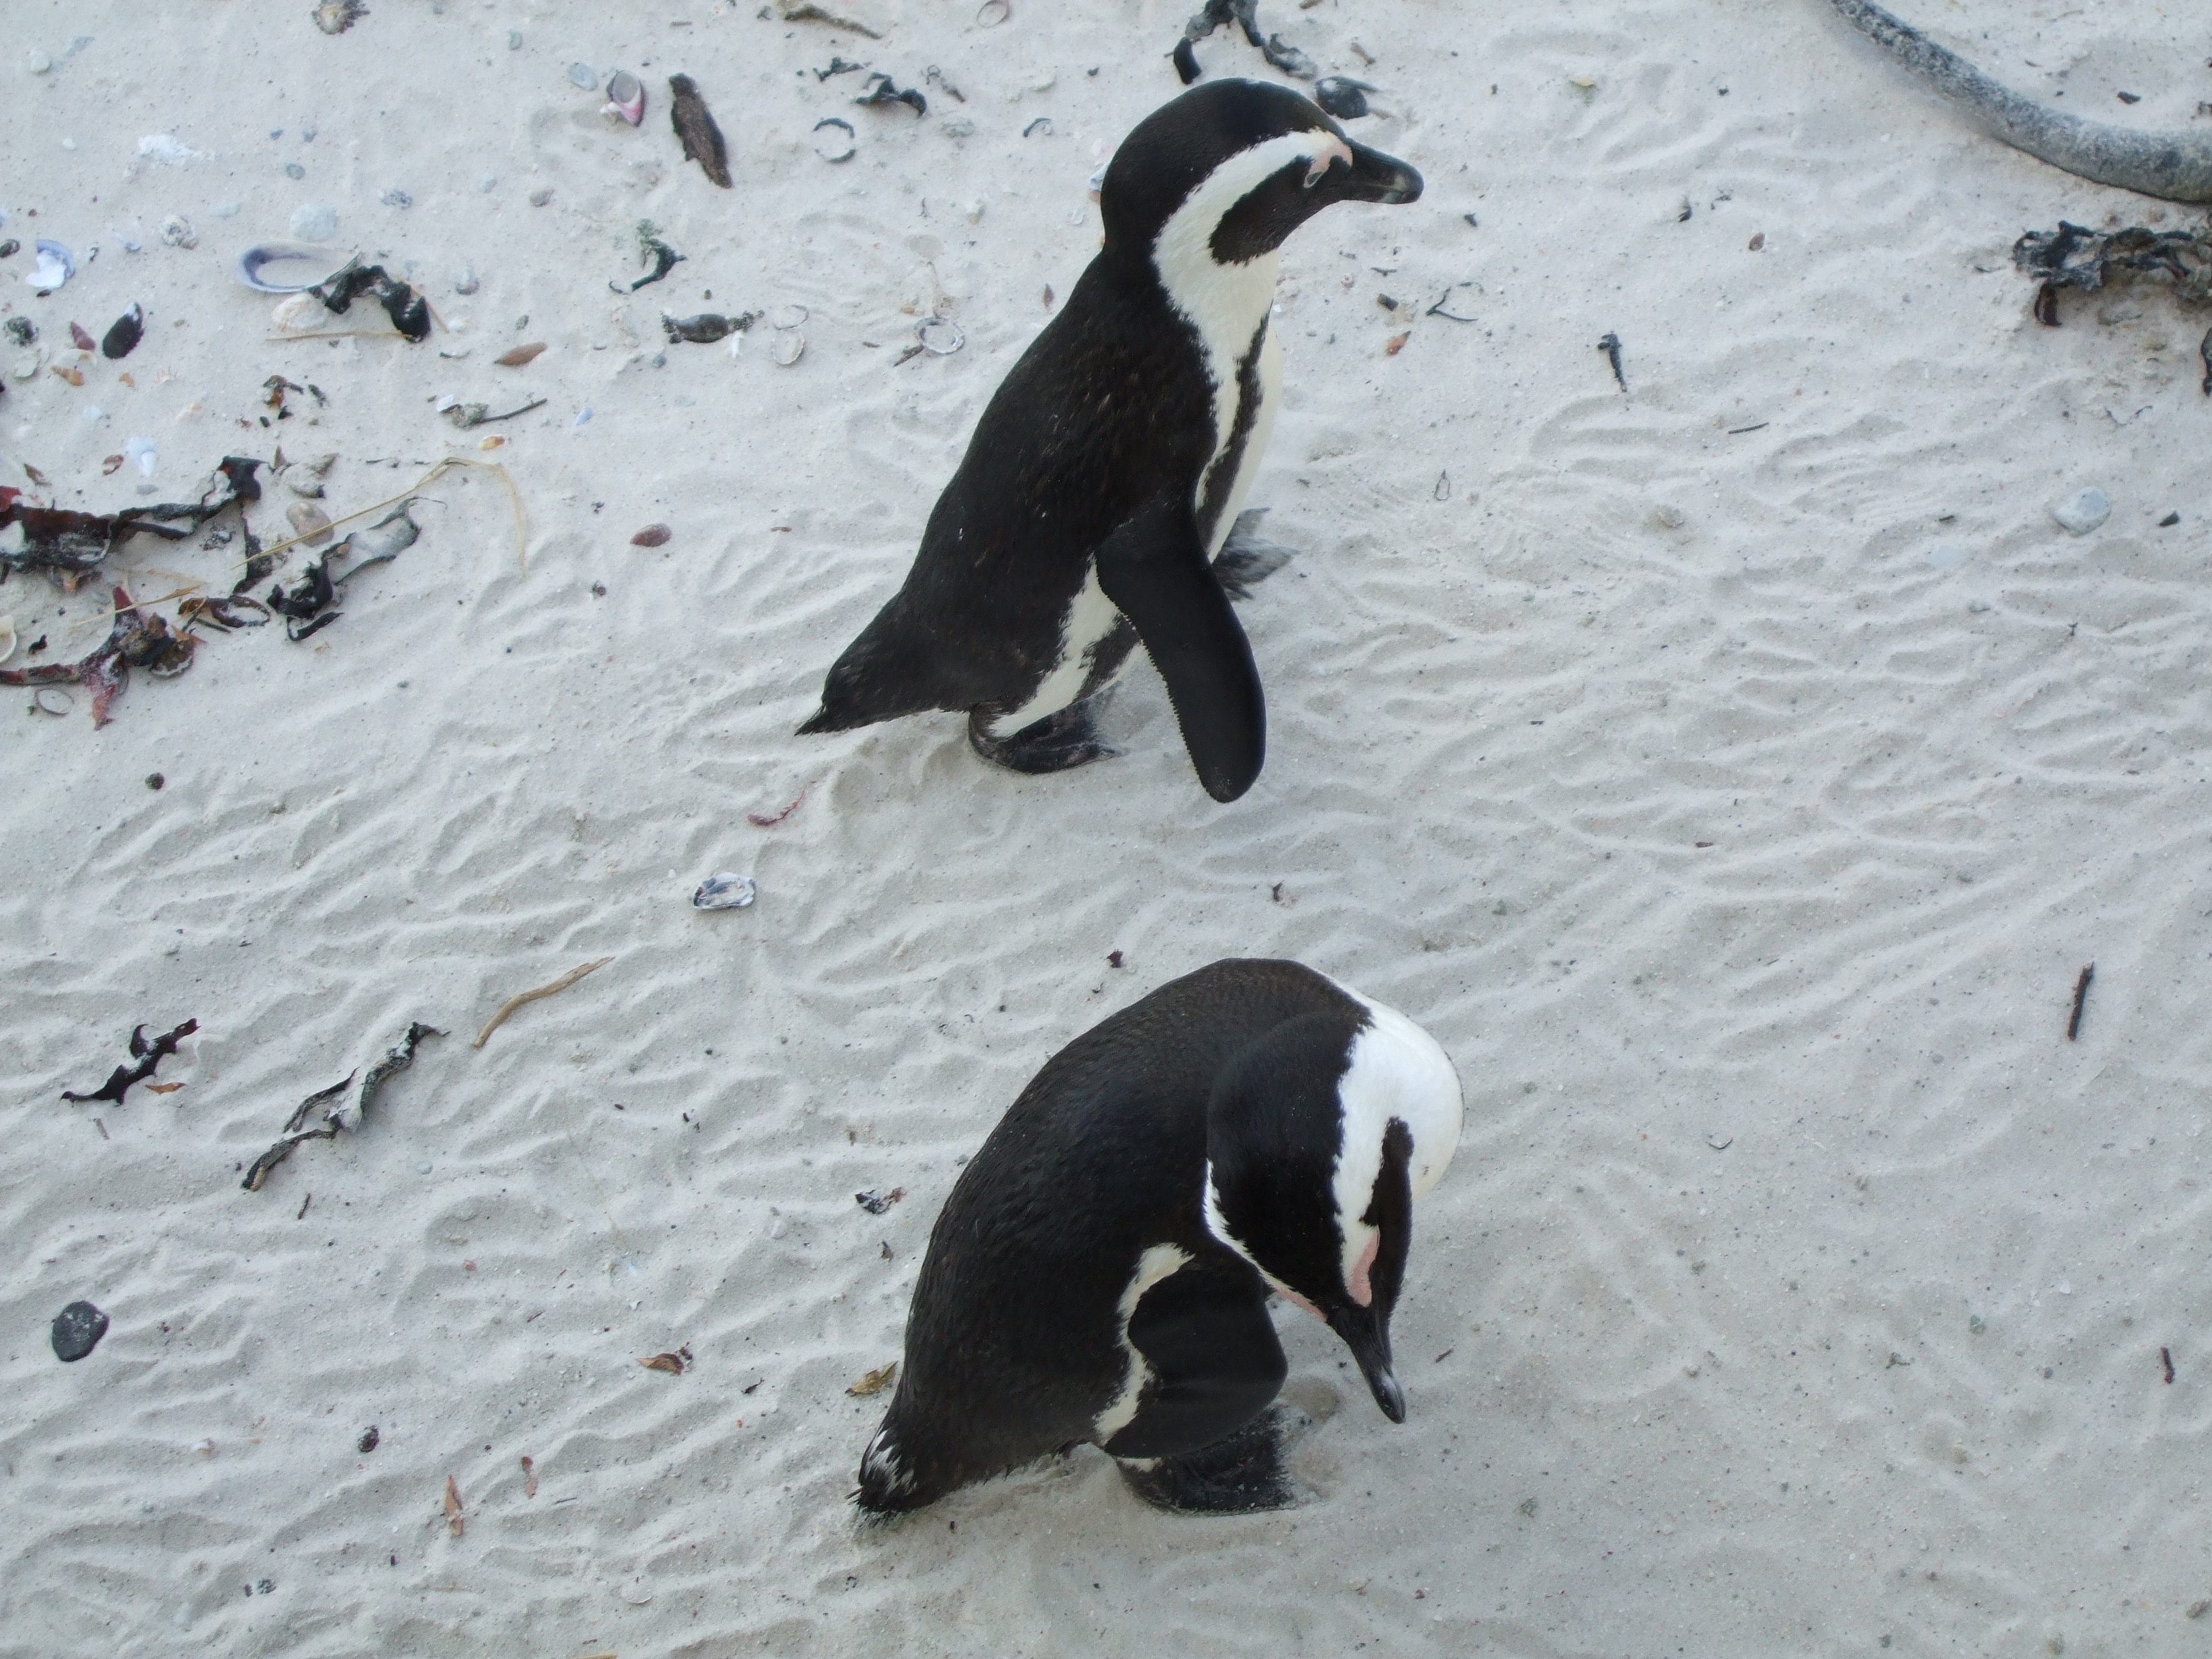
pixel 1102 1269
pixel 1095 504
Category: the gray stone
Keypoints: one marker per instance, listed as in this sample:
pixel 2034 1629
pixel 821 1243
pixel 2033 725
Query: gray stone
pixel 77 1330
pixel 2083 510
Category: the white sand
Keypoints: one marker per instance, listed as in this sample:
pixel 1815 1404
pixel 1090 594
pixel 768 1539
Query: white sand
pixel 1664 1398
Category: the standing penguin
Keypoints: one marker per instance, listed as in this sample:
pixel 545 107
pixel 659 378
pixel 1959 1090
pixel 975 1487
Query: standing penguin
pixel 1108 469
pixel 1100 1271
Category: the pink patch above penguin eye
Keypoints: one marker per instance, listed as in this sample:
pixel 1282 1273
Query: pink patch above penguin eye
pixel 1363 1292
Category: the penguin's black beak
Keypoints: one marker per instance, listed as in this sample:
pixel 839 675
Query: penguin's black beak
pixel 1379 177
pixel 1366 1332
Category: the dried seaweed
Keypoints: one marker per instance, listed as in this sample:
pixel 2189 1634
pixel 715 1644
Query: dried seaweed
pixel 522 997
pixel 329 1105
pixel 409 310
pixel 664 259
pixel 695 126
pixel 805 11
pixel 147 1055
pixel 2072 257
pixel 69 545
pixel 306 608
pixel 883 90
pixel 133 641
pixel 1218 13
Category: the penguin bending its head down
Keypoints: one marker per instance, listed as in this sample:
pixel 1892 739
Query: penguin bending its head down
pixel 1109 468
pixel 1102 1269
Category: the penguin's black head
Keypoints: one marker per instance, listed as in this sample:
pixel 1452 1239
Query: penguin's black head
pixel 1231 168
pixel 1319 1138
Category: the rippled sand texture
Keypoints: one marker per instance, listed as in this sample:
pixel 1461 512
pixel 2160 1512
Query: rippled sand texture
pixel 1734 774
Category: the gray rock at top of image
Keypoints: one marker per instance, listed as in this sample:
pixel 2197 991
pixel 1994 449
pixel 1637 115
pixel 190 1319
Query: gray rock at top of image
pixel 2083 510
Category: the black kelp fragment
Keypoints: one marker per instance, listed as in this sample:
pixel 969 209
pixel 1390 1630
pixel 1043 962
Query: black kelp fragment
pixel 695 126
pixel 148 1055
pixel 883 90
pixel 838 66
pixel 1610 346
pixel 306 608
pixel 664 259
pixel 328 1105
pixel 708 327
pixel 409 310
pixel 123 333
pixel 2204 350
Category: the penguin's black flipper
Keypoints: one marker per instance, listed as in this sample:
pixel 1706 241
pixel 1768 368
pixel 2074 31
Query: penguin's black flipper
pixel 1215 1361
pixel 1248 558
pixel 1155 570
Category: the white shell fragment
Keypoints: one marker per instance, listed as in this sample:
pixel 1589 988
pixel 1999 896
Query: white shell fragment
pixel 56 267
pixel 7 638
pixel 2083 510
pixel 788 347
pixel 584 76
pixel 724 890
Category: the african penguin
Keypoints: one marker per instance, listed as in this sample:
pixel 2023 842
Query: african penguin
pixel 1109 468
pixel 1102 1269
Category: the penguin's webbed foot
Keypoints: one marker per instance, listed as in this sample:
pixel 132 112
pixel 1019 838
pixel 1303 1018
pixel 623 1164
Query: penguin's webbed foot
pixel 1054 744
pixel 1247 559
pixel 1240 1473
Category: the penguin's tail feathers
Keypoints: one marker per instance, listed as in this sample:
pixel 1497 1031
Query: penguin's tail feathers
pixel 1247 558
pixel 887 1486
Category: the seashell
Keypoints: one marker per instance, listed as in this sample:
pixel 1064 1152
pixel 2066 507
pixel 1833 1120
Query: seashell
pixel 386 539
pixel 141 450
pixel 626 96
pixel 840 143
pixel 789 316
pixel 7 638
pixel 111 466
pixel 519 355
pixel 790 345
pixel 166 148
pixel 336 16
pixel 258 266
pixel 653 535
pixel 992 13
pixel 128 240
pixel 724 890
pixel 79 339
pixel 53 700
pixel 312 524
pixel 302 314
pixel 304 478
pixel 21 330
pixel 123 333
pixel 176 232
pixel 56 264
pixel 584 76
pixel 940 337
pixel 70 373
pixel 26 365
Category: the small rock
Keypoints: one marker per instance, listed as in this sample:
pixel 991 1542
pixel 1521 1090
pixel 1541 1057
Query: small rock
pixel 77 1330
pixel 21 330
pixel 399 198
pixel 176 232
pixel 314 221
pixel 39 62
pixel 514 39
pixel 154 780
pixel 488 182
pixel 227 210
pixel 653 535
pixel 293 170
pixel 957 126
pixel 1946 556
pixel 584 76
pixel 368 1440
pixel 540 198
pixel 466 281
pixel 312 524
pixel 2083 510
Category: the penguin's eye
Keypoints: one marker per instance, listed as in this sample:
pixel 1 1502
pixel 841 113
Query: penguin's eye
pixel 1317 169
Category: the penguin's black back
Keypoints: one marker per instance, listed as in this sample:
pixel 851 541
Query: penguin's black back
pixel 1108 411
pixel 1013 1344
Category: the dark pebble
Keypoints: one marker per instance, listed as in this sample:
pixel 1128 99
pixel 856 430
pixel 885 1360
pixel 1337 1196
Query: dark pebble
pixel 155 780
pixel 368 1439
pixel 77 1330
pixel 10 248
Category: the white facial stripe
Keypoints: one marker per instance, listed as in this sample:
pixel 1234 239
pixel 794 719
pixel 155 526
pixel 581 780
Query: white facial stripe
pixel 1158 1263
pixel 1090 618
pixel 1332 149
pixel 1226 304
pixel 1397 1071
